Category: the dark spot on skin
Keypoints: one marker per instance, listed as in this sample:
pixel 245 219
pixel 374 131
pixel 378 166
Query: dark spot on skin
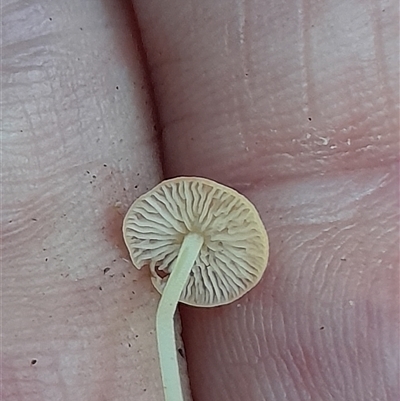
pixel 137 336
pixel 135 186
pixel 34 219
pixel 50 19
pixel 343 259
pixel 100 288
pixel 129 345
pixel 33 362
pixel 123 275
pixel 105 165
pixel 181 353
pixel 322 328
pixel 117 87
pixel 46 259
pixel 106 270
pixel 81 29
pixel 309 119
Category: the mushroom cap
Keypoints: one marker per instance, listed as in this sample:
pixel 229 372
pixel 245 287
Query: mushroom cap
pixel 235 250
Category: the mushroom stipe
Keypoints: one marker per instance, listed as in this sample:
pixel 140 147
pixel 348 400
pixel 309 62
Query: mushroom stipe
pixel 210 244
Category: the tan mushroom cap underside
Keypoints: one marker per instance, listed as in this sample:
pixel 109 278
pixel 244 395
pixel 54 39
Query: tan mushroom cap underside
pixel 235 250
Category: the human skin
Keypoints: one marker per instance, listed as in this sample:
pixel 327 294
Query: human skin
pixel 294 104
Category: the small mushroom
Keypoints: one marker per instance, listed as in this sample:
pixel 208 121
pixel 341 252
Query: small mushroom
pixel 205 245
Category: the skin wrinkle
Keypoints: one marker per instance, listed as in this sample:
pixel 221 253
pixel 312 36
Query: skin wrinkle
pixel 350 350
pixel 343 359
pixel 307 377
pixel 63 119
pixel 267 327
pixel 243 358
pixel 275 310
pixel 277 358
pixel 305 58
pixel 382 375
pixel 349 332
pixel 42 359
pixel 377 319
pixel 389 41
pixel 379 53
pixel 262 368
pixel 289 358
pixel 323 294
pixel 391 360
pixel 249 358
pixel 305 353
pixel 335 238
pixel 337 381
pixel 364 355
pixel 321 290
pixel 244 51
pixel 377 237
pixel 256 346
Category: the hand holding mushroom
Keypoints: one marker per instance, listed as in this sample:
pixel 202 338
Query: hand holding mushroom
pixel 209 241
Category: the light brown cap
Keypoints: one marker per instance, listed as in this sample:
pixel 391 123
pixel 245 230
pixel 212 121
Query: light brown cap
pixel 235 250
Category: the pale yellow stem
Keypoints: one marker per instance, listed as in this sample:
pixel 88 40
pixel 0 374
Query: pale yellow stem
pixel 167 351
